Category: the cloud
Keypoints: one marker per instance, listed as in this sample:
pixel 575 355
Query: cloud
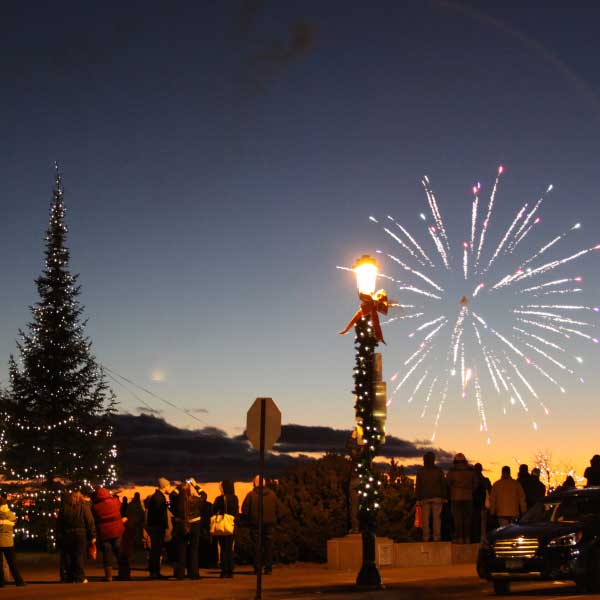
pixel 148 411
pixel 150 447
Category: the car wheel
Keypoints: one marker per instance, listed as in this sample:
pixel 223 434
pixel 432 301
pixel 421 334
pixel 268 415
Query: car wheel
pixel 501 587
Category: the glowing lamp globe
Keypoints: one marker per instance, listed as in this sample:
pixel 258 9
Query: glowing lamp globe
pixel 366 269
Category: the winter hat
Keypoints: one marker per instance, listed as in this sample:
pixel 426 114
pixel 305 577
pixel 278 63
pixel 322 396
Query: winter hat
pixel 164 485
pixel 460 458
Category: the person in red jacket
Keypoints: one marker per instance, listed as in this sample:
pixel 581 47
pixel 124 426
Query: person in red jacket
pixel 110 528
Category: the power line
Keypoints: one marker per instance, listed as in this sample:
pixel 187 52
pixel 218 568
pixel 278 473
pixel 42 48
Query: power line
pixel 143 389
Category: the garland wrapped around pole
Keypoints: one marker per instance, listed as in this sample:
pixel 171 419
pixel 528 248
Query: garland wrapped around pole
pixel 370 438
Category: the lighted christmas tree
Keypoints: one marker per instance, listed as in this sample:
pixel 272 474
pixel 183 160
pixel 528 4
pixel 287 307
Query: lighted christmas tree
pixel 56 411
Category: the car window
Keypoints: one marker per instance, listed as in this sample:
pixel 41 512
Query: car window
pixel 542 512
pixel 566 510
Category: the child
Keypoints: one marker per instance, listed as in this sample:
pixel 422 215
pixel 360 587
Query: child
pixel 7 523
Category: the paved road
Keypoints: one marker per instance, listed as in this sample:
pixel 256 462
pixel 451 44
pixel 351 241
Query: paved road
pixel 294 582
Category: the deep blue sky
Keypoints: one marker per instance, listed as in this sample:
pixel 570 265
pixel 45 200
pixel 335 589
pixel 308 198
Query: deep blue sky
pixel 208 211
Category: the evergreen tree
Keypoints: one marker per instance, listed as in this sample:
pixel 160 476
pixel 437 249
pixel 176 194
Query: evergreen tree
pixel 56 425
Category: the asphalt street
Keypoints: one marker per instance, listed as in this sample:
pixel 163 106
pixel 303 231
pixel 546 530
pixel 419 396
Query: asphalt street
pixel 293 582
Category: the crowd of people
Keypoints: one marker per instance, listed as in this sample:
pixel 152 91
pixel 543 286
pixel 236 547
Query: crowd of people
pixel 178 516
pixel 182 518
pixel 475 504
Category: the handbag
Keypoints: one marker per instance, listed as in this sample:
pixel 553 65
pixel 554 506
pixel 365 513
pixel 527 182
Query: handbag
pixel 222 524
pixel 92 551
pixel 418 516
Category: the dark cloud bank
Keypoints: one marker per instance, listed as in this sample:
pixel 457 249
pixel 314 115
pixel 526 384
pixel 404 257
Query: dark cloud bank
pixel 149 447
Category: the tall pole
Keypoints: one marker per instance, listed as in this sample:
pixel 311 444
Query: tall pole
pixel 372 436
pixel 261 472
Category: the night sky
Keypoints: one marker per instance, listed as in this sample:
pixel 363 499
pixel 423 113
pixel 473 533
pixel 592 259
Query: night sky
pixel 221 158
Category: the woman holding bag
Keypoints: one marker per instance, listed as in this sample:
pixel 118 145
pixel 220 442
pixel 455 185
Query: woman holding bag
pixel 225 504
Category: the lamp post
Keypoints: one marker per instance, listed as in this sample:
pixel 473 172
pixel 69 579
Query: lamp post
pixel 370 416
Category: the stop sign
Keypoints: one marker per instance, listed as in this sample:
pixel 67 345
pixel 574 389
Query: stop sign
pixel 272 423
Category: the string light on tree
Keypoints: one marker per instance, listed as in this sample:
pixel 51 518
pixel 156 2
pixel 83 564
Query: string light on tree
pixel 56 433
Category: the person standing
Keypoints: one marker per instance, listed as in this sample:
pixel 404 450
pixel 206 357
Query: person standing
pixel 157 523
pixel 109 525
pixel 7 543
pixel 507 500
pixel 592 473
pixel 481 494
pixel 431 492
pixel 226 504
pixel 538 489
pixel 206 554
pixel 271 514
pixel 134 525
pixel 75 529
pixel 528 485
pixel 461 483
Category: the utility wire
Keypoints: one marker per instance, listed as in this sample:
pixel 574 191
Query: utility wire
pixel 140 400
pixel 143 389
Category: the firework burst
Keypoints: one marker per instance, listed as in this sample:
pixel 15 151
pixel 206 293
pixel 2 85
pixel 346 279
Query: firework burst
pixel 489 321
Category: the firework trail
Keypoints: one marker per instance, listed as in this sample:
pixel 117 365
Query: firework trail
pixel 493 342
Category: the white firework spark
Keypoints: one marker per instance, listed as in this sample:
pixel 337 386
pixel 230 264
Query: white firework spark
pixel 493 340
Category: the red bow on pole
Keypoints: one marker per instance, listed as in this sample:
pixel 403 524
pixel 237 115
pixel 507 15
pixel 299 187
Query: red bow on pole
pixel 369 307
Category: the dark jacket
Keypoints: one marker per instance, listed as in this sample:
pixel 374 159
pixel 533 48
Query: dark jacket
pixel 75 518
pixel 156 505
pixel 205 508
pixel 271 508
pixel 226 504
pixel 107 514
pixel 461 482
pixel 431 483
pixel 186 511
pixel 482 485
pixel 592 474
pixel 537 493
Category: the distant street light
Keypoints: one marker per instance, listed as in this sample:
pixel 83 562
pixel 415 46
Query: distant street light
pixel 369 407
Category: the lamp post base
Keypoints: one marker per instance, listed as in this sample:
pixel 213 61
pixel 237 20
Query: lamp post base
pixel 369 576
pixel 369 573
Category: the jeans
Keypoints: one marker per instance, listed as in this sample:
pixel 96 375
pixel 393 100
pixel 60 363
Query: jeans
pixel 113 547
pixel 267 546
pixel 462 511
pixel 157 541
pixel 226 546
pixel 9 555
pixel 72 551
pixel 432 508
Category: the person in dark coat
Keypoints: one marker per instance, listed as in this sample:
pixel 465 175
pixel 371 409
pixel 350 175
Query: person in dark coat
pixel 226 503
pixel 592 473
pixel 134 525
pixel 461 483
pixel 538 489
pixel 271 514
pixel 567 484
pixel 110 528
pixel 124 504
pixel 75 529
pixel 157 522
pixel 483 488
pixel 7 544
pixel 431 492
pixel 208 548
pixel 186 531
pixel 528 485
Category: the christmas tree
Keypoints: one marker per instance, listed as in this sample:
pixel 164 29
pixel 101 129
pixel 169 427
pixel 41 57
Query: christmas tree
pixel 56 429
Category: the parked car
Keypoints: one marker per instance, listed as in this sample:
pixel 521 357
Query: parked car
pixel 557 539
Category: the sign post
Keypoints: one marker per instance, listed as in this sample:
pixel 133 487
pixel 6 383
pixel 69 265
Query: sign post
pixel 263 428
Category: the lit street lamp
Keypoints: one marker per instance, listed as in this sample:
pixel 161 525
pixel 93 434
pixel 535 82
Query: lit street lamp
pixel 370 408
